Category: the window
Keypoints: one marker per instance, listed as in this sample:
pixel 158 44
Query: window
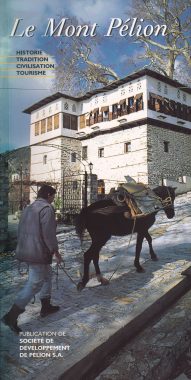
pixel 36 128
pixel 50 110
pixel 75 185
pixel 101 152
pixel 84 153
pixel 178 94
pixel 45 159
pixel 73 122
pixel 182 179
pixel 73 157
pixel 138 102
pixel 82 121
pixel 123 107
pixel 139 85
pixel 127 147
pixel 56 121
pixel 49 124
pixel 165 89
pixel 96 100
pixel 184 97
pixel 104 98
pixel 73 108
pixel 101 186
pixel 70 121
pixel 94 116
pixel 122 91
pixel 66 121
pixel 43 126
pixel 131 101
pixel 159 86
pixel 156 102
pixel 166 146
pixel 114 108
pixel 130 88
pixel 66 106
pixel 105 115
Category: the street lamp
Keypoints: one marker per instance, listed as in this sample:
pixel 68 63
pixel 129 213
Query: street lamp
pixel 91 167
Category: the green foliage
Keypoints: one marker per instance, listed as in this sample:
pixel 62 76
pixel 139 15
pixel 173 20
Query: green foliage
pixel 58 203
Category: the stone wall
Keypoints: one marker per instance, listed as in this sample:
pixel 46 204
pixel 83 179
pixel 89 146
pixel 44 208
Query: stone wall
pixel 70 145
pixel 172 164
pixel 4 185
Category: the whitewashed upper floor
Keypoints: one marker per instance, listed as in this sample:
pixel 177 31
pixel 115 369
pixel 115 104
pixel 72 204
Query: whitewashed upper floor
pixel 133 100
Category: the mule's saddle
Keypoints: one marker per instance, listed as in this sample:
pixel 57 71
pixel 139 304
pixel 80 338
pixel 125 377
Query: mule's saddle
pixel 134 200
pixel 139 198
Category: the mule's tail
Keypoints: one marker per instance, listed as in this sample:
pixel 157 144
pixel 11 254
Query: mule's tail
pixel 81 223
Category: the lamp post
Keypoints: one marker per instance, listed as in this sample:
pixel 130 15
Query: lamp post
pixel 21 172
pixel 85 188
pixel 21 194
pixel 91 167
pixel 86 184
pixel 90 183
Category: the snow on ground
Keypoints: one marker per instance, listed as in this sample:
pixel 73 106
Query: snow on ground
pixel 115 251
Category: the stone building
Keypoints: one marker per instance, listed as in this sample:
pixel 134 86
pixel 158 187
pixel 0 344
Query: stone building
pixel 138 127
pixel 55 150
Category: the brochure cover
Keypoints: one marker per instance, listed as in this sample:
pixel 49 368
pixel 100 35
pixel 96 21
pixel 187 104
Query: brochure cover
pixel 95 102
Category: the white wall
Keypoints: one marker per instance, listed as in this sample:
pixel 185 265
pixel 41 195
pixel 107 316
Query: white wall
pixel 50 172
pixel 180 187
pixel 116 164
pixel 114 96
pixel 58 106
pixel 173 93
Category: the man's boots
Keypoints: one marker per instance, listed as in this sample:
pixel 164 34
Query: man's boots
pixel 10 319
pixel 47 308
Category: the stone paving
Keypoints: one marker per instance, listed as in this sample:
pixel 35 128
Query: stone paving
pixel 153 354
pixel 90 318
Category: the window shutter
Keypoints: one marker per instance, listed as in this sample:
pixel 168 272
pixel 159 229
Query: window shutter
pixel 56 121
pixel 82 121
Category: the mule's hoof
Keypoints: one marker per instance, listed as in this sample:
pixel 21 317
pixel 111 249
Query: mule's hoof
pixel 154 258
pixel 140 270
pixel 104 281
pixel 80 286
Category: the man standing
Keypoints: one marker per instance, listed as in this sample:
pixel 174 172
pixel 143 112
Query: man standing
pixel 37 243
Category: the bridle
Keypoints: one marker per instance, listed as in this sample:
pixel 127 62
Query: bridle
pixel 167 202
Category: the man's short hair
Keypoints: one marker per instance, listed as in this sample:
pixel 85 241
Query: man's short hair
pixel 45 191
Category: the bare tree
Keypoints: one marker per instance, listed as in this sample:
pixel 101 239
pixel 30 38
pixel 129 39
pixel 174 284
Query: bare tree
pixel 80 70
pixel 77 70
pixel 166 53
